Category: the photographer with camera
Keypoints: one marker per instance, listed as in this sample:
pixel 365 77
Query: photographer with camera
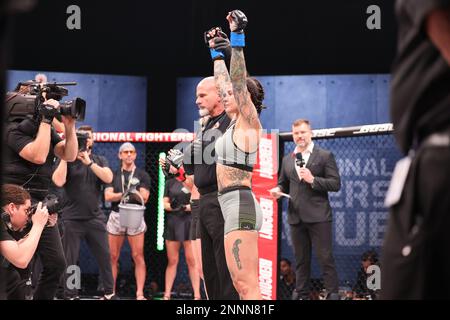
pixel 128 181
pixel 31 147
pixel 16 213
pixel 82 216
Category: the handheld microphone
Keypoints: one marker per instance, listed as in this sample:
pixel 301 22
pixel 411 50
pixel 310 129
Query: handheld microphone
pixel 299 160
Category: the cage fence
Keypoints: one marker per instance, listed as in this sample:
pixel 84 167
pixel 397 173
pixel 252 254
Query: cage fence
pixel 365 165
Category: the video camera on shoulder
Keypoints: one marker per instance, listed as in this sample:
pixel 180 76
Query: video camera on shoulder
pixel 28 98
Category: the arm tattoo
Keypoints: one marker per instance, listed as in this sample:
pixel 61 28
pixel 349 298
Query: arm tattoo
pixel 236 253
pixel 221 77
pixel 238 73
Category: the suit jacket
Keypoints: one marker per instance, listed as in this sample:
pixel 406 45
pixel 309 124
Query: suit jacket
pixel 309 202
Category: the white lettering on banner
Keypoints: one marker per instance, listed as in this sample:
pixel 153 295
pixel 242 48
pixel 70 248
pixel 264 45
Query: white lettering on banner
pixel 325 132
pixel 363 167
pixel 360 194
pixel 266 158
pixel 376 228
pixel 265 278
pixel 266 231
pixel 379 189
pixel 158 137
pixel 105 137
pixel 352 194
pixel 359 225
pixel 386 127
pixel 143 136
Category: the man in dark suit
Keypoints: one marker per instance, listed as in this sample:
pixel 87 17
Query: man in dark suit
pixel 307 175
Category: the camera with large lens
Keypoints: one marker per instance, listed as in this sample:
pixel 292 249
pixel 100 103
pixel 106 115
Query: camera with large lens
pixel 75 108
pixel 28 100
pixel 82 138
pixel 51 201
pixel 53 205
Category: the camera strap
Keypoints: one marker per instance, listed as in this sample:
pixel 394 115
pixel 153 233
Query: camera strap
pixel 129 180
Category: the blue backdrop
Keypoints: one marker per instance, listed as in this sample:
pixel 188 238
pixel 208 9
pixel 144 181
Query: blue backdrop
pixel 328 101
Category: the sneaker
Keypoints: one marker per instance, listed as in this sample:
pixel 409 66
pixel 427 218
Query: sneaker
pixel 113 297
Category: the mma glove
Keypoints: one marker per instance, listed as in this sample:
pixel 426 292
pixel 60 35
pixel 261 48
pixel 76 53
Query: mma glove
pixel 175 158
pixel 238 24
pixel 221 48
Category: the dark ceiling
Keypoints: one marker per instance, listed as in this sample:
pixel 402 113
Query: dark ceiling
pixel 148 37
pixel 164 40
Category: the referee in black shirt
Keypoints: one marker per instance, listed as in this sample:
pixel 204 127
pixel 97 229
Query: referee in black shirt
pixel 217 277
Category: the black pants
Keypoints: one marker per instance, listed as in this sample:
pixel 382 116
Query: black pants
pixel 94 232
pixel 415 261
pixel 217 277
pixel 318 235
pixel 51 255
pixel 15 285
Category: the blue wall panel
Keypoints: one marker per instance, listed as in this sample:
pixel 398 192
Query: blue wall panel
pixel 351 100
pixel 113 103
pixel 187 110
pixel 122 103
pixel 383 115
pixel 327 100
pixel 301 97
pixel 269 115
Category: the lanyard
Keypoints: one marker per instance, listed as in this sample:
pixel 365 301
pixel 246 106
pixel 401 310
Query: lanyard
pixel 129 180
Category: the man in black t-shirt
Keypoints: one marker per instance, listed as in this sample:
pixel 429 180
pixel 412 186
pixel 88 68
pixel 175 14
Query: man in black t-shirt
pixel 81 214
pixel 16 206
pixel 31 147
pixel 416 259
pixel 130 184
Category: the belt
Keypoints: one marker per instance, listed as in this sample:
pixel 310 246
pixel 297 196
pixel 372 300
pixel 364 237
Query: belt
pixel 208 189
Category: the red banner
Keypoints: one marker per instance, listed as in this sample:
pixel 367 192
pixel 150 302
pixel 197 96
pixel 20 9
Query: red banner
pixel 143 136
pixel 265 177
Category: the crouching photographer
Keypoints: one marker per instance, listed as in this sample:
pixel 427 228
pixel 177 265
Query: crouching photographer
pixel 31 145
pixel 16 215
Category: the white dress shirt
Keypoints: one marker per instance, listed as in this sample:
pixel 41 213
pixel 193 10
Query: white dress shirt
pixel 305 154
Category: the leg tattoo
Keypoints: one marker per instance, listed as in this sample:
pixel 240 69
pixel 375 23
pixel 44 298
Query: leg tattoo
pixel 236 253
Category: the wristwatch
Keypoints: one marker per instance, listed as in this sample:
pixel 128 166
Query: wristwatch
pixel 90 164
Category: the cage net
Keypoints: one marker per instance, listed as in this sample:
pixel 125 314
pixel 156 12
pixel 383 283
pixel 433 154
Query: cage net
pixel 365 164
pixel 156 259
pixel 359 220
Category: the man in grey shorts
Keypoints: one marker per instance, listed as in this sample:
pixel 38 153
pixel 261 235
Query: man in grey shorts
pixel 127 177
